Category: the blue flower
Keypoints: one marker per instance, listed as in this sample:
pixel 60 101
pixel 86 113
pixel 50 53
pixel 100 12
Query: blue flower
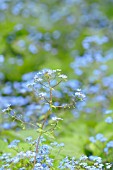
pixel 13 144
pixel 109 120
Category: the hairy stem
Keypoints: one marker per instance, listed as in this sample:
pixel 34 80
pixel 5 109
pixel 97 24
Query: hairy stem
pixel 42 127
pixel 39 138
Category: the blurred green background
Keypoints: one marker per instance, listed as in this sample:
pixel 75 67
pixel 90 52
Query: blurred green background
pixel 37 34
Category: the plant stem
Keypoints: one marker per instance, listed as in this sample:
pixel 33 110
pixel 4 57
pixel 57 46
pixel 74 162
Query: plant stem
pixel 39 138
pixel 42 127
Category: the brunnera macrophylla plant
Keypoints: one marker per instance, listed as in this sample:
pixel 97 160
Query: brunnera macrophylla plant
pixel 24 160
pixel 47 158
pixel 40 155
pixel 44 85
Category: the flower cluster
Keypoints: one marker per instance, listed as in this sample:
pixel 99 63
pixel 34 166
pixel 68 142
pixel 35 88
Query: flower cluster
pixel 91 163
pixel 48 80
pixel 99 137
pixel 25 159
pixel 109 119
pixel 46 159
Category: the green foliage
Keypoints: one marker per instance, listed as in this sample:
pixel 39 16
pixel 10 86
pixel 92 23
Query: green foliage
pixel 51 34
